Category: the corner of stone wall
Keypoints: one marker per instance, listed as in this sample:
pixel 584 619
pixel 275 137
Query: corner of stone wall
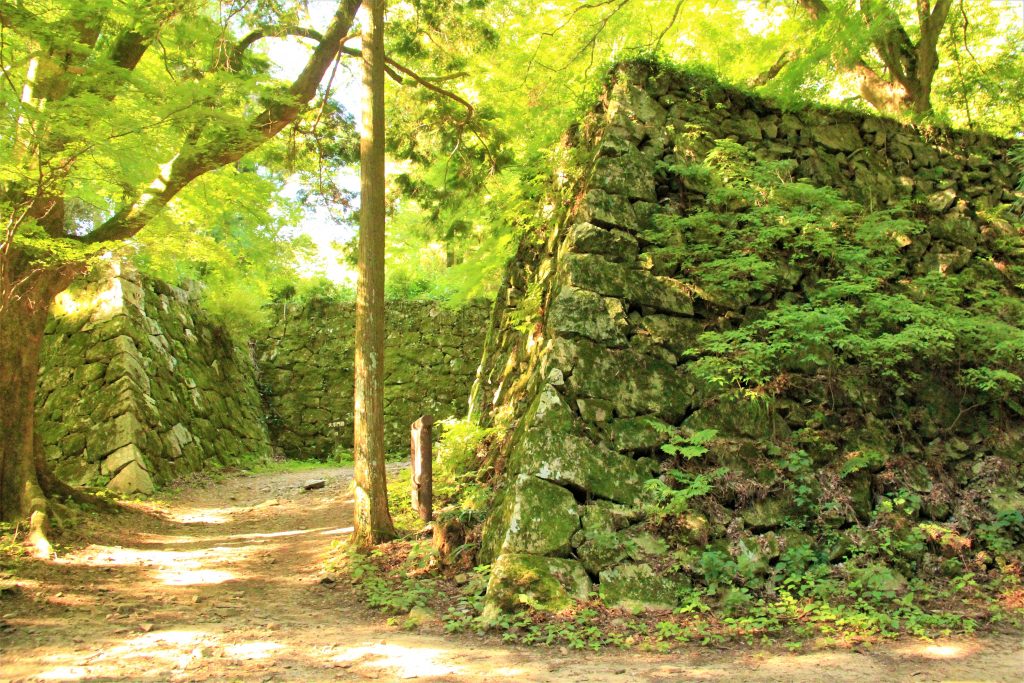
pixel 586 355
pixel 138 386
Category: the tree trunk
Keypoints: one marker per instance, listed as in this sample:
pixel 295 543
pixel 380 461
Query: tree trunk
pixel 372 519
pixel 887 96
pixel 25 296
pixel 904 86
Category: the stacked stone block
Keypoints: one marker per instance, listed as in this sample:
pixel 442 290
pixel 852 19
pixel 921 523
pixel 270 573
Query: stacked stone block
pixel 610 330
pixel 138 386
pixel 430 362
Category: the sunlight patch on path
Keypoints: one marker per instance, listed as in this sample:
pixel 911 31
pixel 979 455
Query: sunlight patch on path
pixel 406 662
pixel 162 650
pixel 216 515
pixel 943 650
pixel 213 516
pixel 194 577
pixel 212 565
pixel 253 650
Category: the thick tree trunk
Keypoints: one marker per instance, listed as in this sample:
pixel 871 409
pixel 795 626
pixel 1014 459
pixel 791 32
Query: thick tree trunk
pixel 904 87
pixel 888 97
pixel 372 519
pixel 23 312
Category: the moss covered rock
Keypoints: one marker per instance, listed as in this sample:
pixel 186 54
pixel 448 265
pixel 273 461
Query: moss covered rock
pixel 580 312
pixel 546 583
pixel 614 245
pixel 533 517
pixel 548 444
pixel 635 383
pixel 769 513
pixel 637 588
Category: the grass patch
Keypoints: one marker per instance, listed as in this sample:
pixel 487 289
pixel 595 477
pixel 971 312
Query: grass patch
pixel 276 465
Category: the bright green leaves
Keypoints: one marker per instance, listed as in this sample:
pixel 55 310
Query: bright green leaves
pixel 46 251
pixel 663 500
pixel 690 447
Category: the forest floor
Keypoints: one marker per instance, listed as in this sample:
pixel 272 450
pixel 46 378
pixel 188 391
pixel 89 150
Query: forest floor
pixel 221 581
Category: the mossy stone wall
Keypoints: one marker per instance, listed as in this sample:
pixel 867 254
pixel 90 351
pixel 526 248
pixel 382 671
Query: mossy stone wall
pixel 430 362
pixel 138 386
pixel 593 341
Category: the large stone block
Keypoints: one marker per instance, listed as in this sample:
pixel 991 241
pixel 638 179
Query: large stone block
pixel 839 137
pixel 133 478
pixel 534 517
pixel 106 437
pixel 637 588
pixel 607 210
pixel 549 444
pixel 576 311
pixel 546 583
pixel 629 175
pixel 121 458
pixel 608 278
pixel 635 383
pixel 615 245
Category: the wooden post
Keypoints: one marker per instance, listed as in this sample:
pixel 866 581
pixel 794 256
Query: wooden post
pixel 422 468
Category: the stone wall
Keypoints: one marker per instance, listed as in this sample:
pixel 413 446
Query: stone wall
pixel 431 358
pixel 593 338
pixel 138 386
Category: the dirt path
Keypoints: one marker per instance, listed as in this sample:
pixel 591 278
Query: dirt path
pixel 221 583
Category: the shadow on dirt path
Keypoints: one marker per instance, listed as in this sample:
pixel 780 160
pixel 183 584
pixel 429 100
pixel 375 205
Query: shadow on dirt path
pixel 221 582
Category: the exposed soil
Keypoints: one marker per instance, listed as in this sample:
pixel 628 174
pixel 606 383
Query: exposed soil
pixel 221 582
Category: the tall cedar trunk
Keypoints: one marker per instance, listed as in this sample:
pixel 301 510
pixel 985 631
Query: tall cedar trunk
pixel 372 520
pixel 23 312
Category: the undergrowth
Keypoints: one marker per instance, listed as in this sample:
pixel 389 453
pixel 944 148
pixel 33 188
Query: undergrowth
pixel 803 600
pixel 809 605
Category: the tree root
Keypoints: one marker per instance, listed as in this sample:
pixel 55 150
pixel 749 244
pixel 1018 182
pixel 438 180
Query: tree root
pixel 38 539
pixel 45 493
pixel 55 488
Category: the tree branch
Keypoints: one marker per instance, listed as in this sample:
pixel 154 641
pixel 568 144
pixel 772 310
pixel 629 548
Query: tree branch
pixel 430 85
pixel 394 75
pixel 395 71
pixel 784 60
pixel 196 157
pixel 274 32
pixel 591 42
pixel 129 48
pixel 671 23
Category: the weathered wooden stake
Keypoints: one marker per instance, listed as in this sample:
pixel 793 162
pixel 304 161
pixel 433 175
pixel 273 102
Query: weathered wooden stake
pixel 422 468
